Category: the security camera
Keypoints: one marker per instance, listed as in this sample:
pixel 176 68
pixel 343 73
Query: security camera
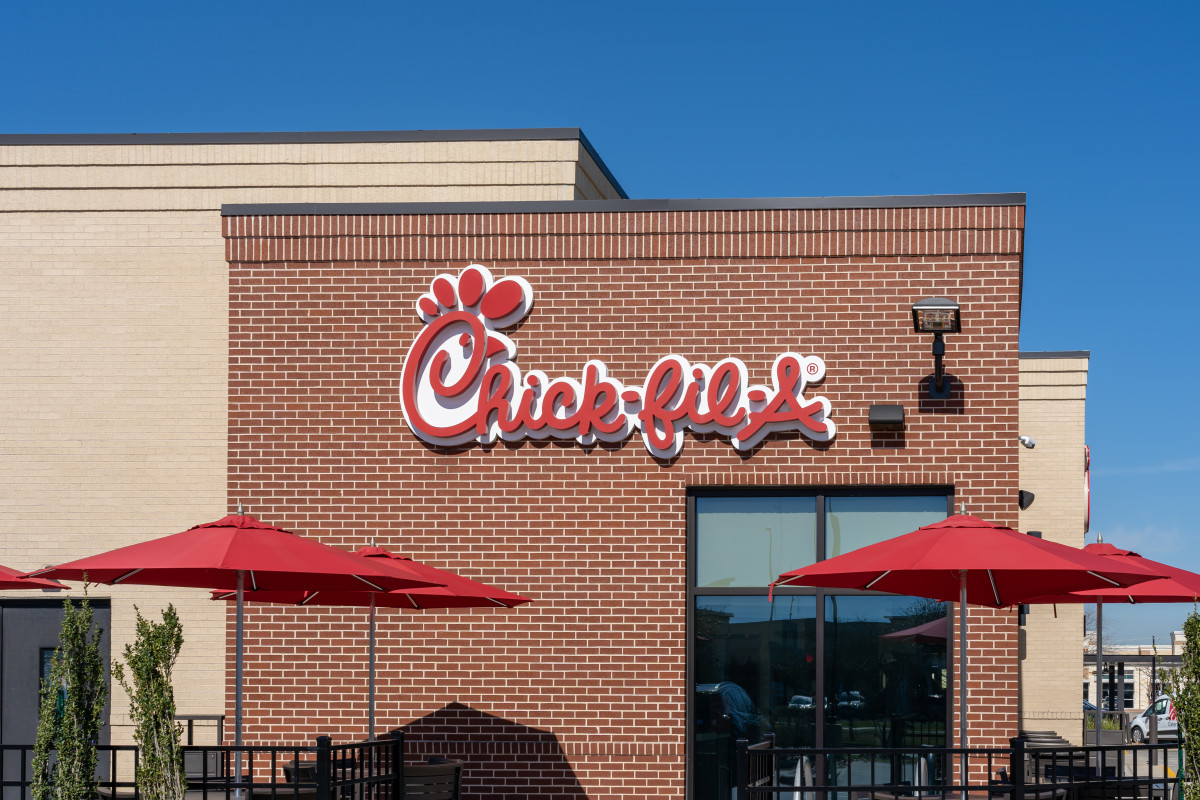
pixel 1027 441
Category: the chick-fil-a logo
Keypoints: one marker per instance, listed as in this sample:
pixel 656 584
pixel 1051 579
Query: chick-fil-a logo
pixel 460 384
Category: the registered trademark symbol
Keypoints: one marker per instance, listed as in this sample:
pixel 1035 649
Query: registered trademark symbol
pixel 812 369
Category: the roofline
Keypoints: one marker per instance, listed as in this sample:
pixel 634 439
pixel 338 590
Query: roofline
pixel 291 137
pixel 317 137
pixel 1054 354
pixel 625 205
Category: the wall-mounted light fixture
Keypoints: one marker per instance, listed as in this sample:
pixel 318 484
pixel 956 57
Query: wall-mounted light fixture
pixel 1027 441
pixel 937 315
pixel 1024 501
pixel 885 417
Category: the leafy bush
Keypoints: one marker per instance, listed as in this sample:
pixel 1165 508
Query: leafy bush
pixel 151 659
pixel 1108 722
pixel 72 701
pixel 1183 685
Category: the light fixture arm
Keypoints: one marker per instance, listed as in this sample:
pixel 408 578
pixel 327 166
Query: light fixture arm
pixel 939 374
pixel 937 315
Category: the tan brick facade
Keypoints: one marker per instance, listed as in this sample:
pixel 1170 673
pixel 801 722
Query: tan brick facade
pixel 1053 393
pixel 584 691
pixel 115 330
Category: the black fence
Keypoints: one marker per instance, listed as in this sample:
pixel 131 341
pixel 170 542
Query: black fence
pixel 1019 772
pixel 325 771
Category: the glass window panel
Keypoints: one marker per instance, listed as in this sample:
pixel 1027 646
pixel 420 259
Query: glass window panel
pixel 852 522
pixel 755 669
pixel 749 541
pixel 885 671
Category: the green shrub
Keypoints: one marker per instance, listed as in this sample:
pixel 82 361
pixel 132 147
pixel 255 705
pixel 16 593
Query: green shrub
pixel 150 660
pixel 69 715
pixel 1183 685
pixel 1108 722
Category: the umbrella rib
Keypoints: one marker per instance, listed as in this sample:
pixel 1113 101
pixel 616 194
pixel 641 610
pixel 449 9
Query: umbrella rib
pixel 410 599
pixel 995 593
pixel 368 583
pixel 1101 577
pixel 253 582
pixel 877 580
pixel 127 575
pixel 308 598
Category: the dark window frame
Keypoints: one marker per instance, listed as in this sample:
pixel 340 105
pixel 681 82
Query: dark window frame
pixel 818 493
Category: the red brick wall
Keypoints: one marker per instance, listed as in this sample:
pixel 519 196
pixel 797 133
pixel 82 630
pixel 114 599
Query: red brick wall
pixel 583 692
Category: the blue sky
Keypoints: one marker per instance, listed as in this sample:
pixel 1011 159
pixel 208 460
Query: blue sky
pixel 1091 109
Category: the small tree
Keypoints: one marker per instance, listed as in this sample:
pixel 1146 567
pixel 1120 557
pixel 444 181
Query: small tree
pixel 150 660
pixel 72 700
pixel 1183 685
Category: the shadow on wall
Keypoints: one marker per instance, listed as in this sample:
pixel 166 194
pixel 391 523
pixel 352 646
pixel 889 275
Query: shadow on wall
pixel 501 758
pixel 955 403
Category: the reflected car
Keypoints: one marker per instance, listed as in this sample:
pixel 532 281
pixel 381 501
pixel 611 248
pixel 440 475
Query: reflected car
pixel 801 701
pixel 725 707
pixel 850 701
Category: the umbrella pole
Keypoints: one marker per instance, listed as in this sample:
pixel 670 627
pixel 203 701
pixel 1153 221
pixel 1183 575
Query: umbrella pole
pixel 371 681
pixel 1099 666
pixel 237 677
pixel 962 674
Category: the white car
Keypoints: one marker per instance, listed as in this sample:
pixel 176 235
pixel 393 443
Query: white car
pixel 800 701
pixel 1168 725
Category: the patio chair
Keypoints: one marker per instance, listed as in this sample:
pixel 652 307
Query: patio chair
pixel 433 781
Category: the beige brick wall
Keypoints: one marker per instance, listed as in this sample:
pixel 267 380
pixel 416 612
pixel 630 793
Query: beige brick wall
pixel 1053 393
pixel 114 334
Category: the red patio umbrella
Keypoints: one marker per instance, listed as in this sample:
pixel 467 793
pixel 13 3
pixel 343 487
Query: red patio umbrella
pixel 455 591
pixel 1173 585
pixel 935 632
pixel 222 554
pixel 15 579
pixel 965 559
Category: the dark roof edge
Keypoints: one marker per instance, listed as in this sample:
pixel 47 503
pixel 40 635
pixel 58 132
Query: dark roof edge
pixel 589 206
pixel 1054 354
pixel 293 137
pixel 587 145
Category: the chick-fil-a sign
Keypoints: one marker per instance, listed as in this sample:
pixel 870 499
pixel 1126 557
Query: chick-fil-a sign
pixel 460 384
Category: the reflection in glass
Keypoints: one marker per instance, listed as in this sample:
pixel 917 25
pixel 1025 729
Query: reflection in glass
pixel 885 671
pixel 748 541
pixel 755 670
pixel 853 522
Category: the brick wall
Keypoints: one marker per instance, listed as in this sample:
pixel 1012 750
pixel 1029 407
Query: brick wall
pixel 583 692
pixel 115 340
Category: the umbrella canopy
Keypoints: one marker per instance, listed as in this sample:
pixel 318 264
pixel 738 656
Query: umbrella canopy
pixel 210 556
pixel 965 559
pixel 1169 584
pixel 228 554
pixel 15 579
pixel 455 591
pixel 1003 567
pixel 1172 585
pixel 935 632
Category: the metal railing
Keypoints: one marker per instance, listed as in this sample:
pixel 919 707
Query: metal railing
pixel 1018 772
pixel 324 771
pixel 216 723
